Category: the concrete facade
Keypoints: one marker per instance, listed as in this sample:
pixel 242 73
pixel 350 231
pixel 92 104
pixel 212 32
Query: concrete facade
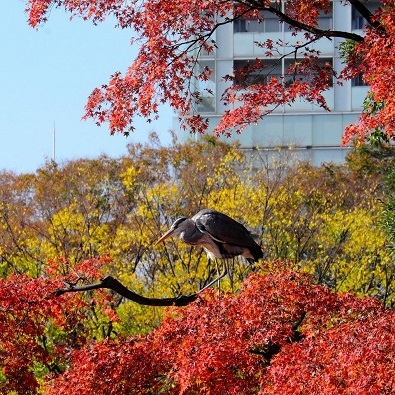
pixel 313 132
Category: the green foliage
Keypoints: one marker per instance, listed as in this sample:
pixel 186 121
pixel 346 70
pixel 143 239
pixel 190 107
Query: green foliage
pixel 347 49
pixel 371 107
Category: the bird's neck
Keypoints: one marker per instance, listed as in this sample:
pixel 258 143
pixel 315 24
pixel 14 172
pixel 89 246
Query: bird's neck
pixel 190 234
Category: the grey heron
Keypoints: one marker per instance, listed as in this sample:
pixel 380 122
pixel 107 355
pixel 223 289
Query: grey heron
pixel 220 235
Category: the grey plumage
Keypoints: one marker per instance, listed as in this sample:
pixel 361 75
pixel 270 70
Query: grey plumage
pixel 221 236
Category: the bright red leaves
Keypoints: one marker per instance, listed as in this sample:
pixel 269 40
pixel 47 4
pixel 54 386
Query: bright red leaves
pixel 172 34
pixel 280 335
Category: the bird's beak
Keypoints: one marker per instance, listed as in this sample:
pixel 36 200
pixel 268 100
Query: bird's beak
pixel 165 236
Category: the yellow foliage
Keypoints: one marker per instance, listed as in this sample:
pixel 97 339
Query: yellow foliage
pixel 130 178
pixel 324 220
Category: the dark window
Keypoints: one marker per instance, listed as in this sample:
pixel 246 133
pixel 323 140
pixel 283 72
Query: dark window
pixel 265 23
pixel 295 76
pixel 358 81
pixel 325 22
pixel 248 72
pixel 206 88
pixel 252 71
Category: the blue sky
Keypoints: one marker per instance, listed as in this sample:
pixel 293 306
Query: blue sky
pixel 46 77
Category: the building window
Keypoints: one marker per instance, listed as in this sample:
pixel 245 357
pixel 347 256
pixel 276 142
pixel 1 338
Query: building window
pixel 358 21
pixel 251 71
pixel 358 81
pixel 206 88
pixel 322 64
pixel 266 22
pixel 324 21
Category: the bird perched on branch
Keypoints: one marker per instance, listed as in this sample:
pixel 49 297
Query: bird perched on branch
pixel 221 236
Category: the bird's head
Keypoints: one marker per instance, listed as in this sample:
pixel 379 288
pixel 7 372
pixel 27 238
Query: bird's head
pixel 178 226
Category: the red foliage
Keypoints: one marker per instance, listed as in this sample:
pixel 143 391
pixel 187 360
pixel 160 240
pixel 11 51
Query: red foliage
pixel 173 33
pixel 25 308
pixel 280 335
pixel 28 309
pixel 376 55
pixel 355 357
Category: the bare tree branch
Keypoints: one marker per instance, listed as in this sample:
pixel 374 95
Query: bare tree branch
pixel 113 284
pixel 361 8
pixel 271 349
pixel 318 32
pixel 255 5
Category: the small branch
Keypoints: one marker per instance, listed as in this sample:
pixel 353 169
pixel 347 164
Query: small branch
pixel 255 5
pixel 113 284
pixel 272 349
pixel 314 30
pixel 364 11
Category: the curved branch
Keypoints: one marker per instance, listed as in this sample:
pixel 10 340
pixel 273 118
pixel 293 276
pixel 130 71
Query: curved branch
pixel 113 284
pixel 318 32
pixel 252 4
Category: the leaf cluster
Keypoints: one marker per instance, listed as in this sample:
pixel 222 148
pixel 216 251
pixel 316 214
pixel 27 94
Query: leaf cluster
pixel 280 334
pixel 173 35
pixel 87 209
pixel 55 225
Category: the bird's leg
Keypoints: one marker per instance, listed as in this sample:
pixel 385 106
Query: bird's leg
pixel 219 280
pixel 225 271
pixel 231 272
pixel 222 274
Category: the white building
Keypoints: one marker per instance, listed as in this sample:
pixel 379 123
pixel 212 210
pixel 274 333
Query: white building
pixel 313 132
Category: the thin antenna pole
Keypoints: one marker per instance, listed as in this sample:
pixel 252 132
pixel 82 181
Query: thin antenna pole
pixel 54 144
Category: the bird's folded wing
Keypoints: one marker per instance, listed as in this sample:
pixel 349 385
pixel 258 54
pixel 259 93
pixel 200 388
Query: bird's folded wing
pixel 223 229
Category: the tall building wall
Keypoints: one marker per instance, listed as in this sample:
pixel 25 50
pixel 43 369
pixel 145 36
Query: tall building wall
pixel 313 132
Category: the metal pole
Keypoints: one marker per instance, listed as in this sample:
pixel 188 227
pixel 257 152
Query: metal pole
pixel 54 141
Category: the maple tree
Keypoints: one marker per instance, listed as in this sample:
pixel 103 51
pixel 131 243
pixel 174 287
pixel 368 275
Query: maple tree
pixel 280 334
pixel 274 331
pixel 38 329
pixel 171 35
